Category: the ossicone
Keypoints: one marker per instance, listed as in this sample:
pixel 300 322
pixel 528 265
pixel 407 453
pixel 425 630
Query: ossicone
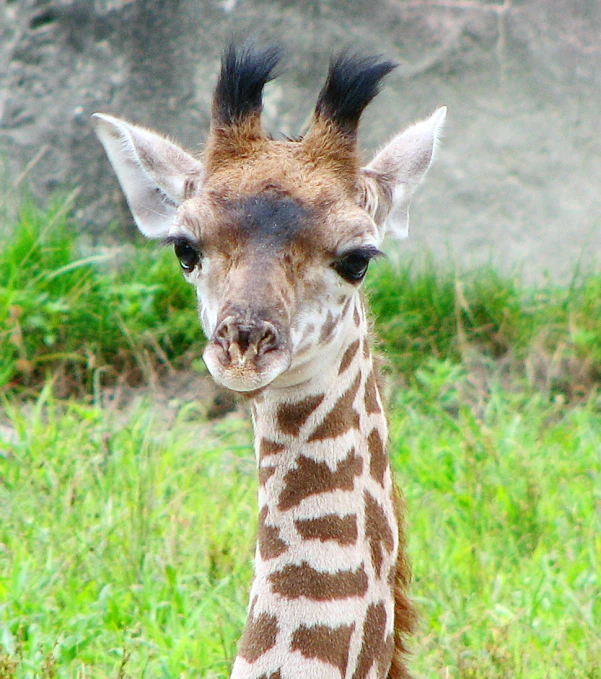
pixel 245 70
pixel 352 83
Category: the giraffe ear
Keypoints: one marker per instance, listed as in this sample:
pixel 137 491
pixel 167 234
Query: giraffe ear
pixel 389 181
pixel 155 175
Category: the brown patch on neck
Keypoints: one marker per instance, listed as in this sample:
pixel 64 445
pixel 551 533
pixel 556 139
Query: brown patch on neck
pixel 330 645
pixel 374 648
pixel 311 478
pixel 268 537
pixel 292 416
pixel 260 635
pixel 378 459
pixel 267 447
pixel 377 532
pixel 296 581
pixel 341 418
pixel 340 529
pixel 265 473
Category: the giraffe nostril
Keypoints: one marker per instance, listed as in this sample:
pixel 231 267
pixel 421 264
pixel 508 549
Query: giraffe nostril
pixel 269 341
pixel 223 335
pixel 246 339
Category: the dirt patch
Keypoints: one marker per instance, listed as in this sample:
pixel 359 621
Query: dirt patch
pixel 168 393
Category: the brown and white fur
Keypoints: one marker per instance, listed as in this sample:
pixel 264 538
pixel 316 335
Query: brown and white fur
pixel 276 237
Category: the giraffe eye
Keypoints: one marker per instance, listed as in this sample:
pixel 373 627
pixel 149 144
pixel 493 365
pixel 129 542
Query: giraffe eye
pixel 353 266
pixel 188 256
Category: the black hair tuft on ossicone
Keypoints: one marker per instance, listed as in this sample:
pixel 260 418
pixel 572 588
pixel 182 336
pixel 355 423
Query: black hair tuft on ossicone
pixel 352 82
pixel 245 70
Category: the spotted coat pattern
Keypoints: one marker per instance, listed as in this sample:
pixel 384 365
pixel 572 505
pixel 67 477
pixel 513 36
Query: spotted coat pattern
pixel 322 599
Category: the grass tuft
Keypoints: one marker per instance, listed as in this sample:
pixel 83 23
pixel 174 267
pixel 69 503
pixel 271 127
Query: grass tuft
pixel 81 319
pixel 547 336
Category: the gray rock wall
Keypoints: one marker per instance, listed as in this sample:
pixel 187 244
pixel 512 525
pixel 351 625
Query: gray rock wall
pixel 518 178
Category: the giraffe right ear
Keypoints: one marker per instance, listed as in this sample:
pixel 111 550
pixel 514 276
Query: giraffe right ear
pixel 390 180
pixel 155 174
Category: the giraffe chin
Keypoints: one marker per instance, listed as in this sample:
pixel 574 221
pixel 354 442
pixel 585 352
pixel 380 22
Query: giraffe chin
pixel 246 376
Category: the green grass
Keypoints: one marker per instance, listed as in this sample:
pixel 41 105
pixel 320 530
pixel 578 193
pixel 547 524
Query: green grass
pixel 548 333
pixel 122 541
pixel 86 319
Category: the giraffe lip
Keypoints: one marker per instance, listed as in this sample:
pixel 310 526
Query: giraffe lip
pixel 245 372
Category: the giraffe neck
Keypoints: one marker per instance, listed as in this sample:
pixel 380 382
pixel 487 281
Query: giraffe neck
pixel 322 600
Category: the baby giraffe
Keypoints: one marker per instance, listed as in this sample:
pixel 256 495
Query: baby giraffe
pixel 276 235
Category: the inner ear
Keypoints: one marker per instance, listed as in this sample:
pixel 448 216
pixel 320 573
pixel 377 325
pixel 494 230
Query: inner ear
pixel 388 183
pixel 375 194
pixel 155 174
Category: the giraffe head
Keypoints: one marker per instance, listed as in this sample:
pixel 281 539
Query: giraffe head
pixel 275 235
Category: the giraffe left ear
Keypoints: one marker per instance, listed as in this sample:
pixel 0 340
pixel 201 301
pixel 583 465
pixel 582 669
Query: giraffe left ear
pixel 155 174
pixel 389 181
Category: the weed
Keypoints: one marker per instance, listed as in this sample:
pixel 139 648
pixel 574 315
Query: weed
pixel 8 665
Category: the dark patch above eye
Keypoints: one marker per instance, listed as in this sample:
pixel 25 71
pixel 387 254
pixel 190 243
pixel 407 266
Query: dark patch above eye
pixel 353 265
pixel 270 217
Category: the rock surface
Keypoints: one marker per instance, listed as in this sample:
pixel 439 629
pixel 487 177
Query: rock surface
pixel 517 179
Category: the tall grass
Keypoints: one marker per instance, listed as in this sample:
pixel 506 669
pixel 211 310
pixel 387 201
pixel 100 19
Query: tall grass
pixel 547 333
pixel 77 316
pixel 126 548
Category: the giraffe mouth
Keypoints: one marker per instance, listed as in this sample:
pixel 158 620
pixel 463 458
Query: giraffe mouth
pixel 245 371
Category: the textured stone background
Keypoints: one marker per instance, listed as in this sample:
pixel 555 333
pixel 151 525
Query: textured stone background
pixel 519 175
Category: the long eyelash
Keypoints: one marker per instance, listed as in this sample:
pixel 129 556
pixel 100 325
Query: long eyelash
pixel 369 251
pixel 180 239
pixel 373 253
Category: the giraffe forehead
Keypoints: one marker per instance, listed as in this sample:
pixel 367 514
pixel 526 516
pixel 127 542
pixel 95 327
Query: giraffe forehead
pixel 273 223
pixel 276 192
pixel 266 218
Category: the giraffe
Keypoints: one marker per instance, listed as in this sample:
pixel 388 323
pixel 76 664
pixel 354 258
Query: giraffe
pixel 276 236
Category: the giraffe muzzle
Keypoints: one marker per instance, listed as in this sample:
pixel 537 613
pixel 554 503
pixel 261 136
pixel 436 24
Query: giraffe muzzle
pixel 246 355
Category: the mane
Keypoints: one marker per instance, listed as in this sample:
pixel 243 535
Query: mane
pixel 245 70
pixel 352 82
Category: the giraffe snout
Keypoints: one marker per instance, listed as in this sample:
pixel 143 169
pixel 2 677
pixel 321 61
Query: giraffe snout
pixel 245 354
pixel 242 342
